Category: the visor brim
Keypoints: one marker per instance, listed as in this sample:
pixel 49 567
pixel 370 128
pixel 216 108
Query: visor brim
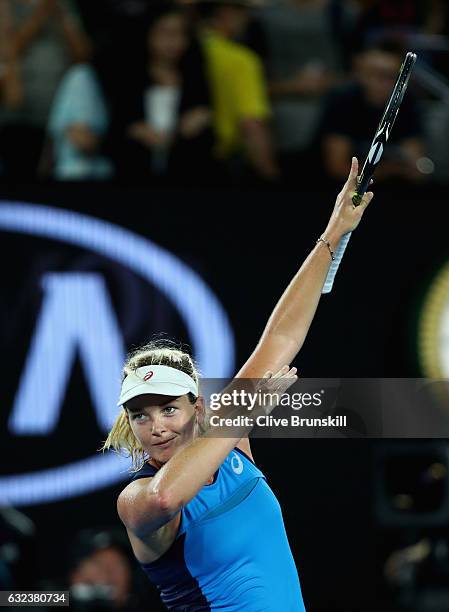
pixel 169 389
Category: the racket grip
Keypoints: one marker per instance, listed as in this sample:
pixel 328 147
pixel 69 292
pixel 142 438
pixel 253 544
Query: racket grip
pixel 338 256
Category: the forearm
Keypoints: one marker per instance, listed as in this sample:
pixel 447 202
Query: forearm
pixel 5 31
pixel 76 40
pixel 285 88
pixel 83 138
pixel 306 83
pixel 293 314
pixel 24 35
pixel 289 324
pixel 180 479
pixel 12 94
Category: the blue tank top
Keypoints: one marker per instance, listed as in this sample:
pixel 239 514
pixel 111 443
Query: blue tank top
pixel 231 552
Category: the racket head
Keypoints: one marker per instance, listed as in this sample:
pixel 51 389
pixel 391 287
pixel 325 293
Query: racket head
pixel 399 89
pixel 385 126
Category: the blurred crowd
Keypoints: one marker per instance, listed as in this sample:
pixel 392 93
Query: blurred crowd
pixel 96 567
pixel 218 92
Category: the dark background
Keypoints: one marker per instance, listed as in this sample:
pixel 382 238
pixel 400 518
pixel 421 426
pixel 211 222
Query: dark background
pixel 246 245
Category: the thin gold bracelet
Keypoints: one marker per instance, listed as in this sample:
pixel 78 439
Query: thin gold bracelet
pixel 328 244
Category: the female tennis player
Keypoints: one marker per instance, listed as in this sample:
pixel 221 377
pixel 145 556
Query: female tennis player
pixel 202 521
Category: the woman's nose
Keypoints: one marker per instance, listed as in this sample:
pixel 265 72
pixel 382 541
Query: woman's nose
pixel 157 426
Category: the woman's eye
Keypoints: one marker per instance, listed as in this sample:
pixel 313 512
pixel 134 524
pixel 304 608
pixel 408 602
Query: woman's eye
pixel 136 416
pixel 168 410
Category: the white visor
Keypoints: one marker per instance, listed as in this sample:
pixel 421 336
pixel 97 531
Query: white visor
pixel 157 379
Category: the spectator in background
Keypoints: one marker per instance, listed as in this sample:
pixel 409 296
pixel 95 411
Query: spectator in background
pixel 353 113
pixel 10 84
pixel 304 62
pixel 162 122
pixel 101 574
pixel 378 18
pixel 47 38
pixel 78 123
pixel 17 550
pixel 241 108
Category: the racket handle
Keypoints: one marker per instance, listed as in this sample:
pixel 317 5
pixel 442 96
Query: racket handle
pixel 338 256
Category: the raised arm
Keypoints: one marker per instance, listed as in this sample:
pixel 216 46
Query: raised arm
pixel 147 507
pixel 290 321
pixel 29 29
pixel 75 39
pixel 10 82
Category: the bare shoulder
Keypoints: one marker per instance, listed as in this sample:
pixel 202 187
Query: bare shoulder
pixel 128 496
pixel 151 532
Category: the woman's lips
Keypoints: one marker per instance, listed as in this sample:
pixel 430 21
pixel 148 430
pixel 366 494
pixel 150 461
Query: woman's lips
pixel 163 444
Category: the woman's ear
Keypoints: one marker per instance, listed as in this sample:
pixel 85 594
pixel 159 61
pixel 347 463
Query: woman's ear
pixel 200 410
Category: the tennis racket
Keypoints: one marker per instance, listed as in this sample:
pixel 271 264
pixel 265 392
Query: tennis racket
pixel 374 156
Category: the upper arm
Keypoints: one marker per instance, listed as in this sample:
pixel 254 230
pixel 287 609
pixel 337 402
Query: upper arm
pixel 254 129
pixel 151 527
pixel 271 353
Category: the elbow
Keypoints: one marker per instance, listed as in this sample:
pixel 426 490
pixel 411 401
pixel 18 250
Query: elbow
pixel 282 338
pixel 82 55
pixel 164 505
pixel 81 50
pixel 145 514
pixel 158 513
pixel 167 504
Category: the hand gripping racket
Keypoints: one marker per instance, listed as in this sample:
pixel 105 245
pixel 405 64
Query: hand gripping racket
pixel 374 156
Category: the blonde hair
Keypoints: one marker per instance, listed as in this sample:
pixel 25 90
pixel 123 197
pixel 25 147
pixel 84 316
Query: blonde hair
pixel 121 438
